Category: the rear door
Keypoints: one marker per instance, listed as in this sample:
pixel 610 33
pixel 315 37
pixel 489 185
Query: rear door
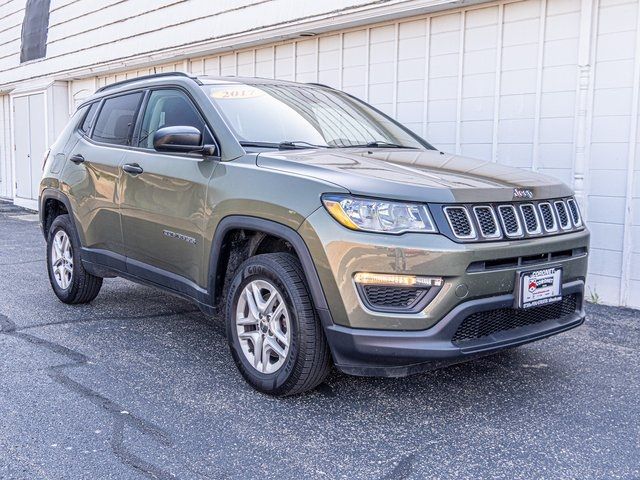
pixel 163 205
pixel 93 173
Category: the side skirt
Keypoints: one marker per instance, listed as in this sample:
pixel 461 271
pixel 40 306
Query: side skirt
pixel 108 264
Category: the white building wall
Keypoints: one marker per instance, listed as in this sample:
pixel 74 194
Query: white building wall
pixel 549 85
pixel 99 35
pixel 6 173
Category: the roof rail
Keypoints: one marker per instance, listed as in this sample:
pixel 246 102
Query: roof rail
pixel 146 77
pixel 320 85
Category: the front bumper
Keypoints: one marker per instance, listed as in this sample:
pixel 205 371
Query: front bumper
pixel 339 253
pixel 367 352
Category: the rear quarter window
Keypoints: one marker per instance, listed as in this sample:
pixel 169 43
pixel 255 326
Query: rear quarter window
pixel 85 126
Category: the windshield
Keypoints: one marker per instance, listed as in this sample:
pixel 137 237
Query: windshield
pixel 303 116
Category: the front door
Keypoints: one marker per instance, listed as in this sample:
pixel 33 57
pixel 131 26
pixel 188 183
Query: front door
pixel 164 198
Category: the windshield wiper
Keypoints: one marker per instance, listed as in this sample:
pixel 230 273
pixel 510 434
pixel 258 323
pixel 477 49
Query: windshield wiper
pixel 285 145
pixel 381 144
pixel 259 144
pixel 289 144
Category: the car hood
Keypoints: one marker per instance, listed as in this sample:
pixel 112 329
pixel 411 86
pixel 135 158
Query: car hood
pixel 427 176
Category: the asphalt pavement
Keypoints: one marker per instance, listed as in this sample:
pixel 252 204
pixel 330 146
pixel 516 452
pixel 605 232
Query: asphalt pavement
pixel 140 384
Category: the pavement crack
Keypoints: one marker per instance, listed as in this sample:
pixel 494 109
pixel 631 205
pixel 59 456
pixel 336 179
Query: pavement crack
pixel 102 319
pixel 117 446
pixel 119 414
pixel 22 263
pixel 403 469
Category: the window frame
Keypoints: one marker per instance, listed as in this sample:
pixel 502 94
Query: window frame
pixel 88 105
pixel 89 135
pixel 143 110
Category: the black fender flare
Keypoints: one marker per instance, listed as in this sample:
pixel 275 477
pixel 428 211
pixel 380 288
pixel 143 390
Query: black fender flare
pixel 270 227
pixel 51 193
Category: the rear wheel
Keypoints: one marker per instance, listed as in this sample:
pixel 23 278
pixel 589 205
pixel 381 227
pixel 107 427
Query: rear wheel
pixel 69 280
pixel 273 332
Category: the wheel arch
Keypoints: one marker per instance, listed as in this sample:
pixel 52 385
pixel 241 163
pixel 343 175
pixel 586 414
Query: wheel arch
pixel 274 229
pixel 48 213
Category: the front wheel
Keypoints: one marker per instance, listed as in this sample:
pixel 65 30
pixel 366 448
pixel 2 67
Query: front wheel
pixel 273 332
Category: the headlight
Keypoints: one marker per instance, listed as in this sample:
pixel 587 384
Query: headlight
pixel 372 215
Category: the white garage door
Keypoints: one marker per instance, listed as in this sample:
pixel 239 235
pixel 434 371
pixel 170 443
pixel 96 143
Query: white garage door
pixel 29 137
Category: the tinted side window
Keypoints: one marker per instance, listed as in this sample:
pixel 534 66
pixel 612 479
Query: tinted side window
pixel 116 118
pixel 85 127
pixel 169 108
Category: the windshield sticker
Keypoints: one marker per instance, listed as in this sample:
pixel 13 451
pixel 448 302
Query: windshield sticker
pixel 237 93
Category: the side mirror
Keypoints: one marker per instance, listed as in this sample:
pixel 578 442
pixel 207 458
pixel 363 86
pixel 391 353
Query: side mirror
pixel 177 139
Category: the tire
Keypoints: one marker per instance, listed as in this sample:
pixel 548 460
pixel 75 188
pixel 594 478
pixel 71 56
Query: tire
pixel 74 285
pixel 306 362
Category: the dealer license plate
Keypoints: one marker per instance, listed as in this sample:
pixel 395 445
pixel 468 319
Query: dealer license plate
pixel 540 287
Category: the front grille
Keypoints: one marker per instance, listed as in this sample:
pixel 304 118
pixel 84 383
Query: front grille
pixel 530 219
pixel 392 297
pixel 563 216
pixel 515 220
pixel 487 222
pixel 547 217
pixel 460 222
pixel 510 221
pixel 483 324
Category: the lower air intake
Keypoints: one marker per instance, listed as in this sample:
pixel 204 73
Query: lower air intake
pixel 484 324
pixel 385 297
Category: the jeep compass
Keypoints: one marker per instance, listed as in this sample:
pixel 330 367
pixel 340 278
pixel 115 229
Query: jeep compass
pixel 324 232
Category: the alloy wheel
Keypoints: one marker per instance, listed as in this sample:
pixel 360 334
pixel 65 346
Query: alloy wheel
pixel 263 326
pixel 62 259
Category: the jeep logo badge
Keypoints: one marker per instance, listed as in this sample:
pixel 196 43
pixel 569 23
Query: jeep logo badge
pixel 522 193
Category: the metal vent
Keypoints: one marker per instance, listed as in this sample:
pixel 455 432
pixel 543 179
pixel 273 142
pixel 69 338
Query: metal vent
pixel 484 324
pixel 487 221
pixel 510 221
pixel 390 297
pixel 563 215
pixel 548 217
pixel 575 212
pixel 531 221
pixel 460 222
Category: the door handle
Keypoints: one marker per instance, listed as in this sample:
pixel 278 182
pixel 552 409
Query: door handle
pixel 77 159
pixel 132 168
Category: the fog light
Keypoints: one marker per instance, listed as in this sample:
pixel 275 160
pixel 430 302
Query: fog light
pixel 397 280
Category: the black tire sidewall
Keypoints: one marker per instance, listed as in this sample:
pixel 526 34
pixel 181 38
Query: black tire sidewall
pixel 63 223
pixel 275 382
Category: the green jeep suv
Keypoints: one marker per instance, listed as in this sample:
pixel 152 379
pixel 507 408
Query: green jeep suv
pixel 324 232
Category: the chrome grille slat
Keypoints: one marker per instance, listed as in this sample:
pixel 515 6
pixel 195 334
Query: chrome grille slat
pixel 531 220
pixel 563 215
pixel 460 222
pixel 548 217
pixel 510 221
pixel 487 221
pixel 575 212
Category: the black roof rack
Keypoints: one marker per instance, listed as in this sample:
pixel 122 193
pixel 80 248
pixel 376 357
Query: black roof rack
pixel 146 77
